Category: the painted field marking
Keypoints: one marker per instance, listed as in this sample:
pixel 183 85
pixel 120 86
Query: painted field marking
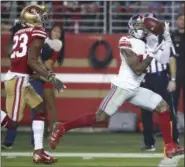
pixel 80 78
pixel 99 155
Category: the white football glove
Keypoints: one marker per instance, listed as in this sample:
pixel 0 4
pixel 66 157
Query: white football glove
pixel 161 53
pixel 166 33
pixel 55 44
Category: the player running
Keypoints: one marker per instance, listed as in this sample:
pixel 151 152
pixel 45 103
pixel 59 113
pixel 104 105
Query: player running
pixel 136 57
pixel 27 45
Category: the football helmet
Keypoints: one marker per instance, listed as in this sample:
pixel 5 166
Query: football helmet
pixel 136 26
pixel 34 15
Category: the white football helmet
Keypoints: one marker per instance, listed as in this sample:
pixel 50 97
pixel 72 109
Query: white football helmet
pixel 136 26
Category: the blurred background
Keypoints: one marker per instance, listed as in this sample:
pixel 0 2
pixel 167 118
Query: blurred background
pixel 105 17
pixel 90 59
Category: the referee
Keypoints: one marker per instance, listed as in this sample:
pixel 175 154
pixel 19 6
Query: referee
pixel 158 80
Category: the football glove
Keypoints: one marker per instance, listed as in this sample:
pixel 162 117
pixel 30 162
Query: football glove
pixel 166 33
pixel 152 51
pixel 58 84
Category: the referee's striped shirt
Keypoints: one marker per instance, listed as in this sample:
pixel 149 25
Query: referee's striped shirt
pixel 155 67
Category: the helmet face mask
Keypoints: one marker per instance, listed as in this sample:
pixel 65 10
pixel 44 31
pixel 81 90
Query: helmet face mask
pixel 34 15
pixel 136 26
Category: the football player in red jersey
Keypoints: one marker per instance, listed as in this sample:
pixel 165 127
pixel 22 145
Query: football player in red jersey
pixel 27 45
pixel 45 89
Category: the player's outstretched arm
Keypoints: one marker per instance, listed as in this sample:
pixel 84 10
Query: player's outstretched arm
pixel 135 64
pixel 33 54
pixel 163 54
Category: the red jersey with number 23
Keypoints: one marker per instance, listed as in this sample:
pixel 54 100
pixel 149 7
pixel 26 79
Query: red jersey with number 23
pixel 21 44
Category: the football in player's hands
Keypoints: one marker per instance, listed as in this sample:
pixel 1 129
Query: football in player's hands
pixel 154 26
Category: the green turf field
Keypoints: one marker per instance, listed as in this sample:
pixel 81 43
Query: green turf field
pixel 122 149
pixel 94 162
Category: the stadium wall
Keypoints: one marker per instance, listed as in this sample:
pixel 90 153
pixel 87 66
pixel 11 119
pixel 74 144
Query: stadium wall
pixel 86 85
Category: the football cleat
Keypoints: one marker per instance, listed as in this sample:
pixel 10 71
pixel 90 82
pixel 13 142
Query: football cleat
pixel 41 156
pixel 57 132
pixel 172 150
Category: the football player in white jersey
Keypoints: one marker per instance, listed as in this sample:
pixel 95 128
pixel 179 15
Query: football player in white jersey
pixel 135 57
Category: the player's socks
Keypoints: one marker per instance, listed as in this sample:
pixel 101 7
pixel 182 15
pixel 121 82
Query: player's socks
pixel 6 121
pixel 165 127
pixel 82 121
pixel 38 133
pixel 38 130
pixel 10 136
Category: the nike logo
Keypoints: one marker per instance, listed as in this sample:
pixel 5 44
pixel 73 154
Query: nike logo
pixel 46 156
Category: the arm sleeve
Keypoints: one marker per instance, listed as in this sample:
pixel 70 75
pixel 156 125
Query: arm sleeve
pixel 163 55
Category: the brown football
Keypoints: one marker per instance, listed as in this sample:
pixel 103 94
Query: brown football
pixel 154 26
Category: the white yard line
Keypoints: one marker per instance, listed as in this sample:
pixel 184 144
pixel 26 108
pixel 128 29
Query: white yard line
pixel 80 78
pixel 99 155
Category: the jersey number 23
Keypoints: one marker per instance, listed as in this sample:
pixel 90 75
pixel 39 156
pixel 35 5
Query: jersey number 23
pixel 20 46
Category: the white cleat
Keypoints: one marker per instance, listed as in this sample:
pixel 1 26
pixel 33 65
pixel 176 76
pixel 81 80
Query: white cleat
pixel 170 162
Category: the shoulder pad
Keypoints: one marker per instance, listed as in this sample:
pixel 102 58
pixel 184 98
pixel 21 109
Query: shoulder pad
pixel 39 32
